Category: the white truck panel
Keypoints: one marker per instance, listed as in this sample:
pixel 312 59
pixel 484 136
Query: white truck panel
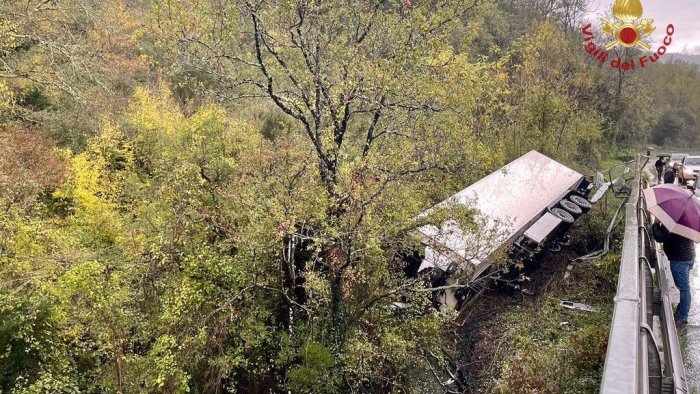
pixel 507 201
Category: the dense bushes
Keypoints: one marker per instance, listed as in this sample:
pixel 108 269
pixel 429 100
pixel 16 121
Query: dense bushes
pixel 204 196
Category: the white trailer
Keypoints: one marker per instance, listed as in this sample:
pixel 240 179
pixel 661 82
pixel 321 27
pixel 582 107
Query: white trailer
pixel 521 207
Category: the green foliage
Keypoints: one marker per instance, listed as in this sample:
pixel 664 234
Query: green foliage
pixel 675 128
pixel 548 356
pixel 551 108
pixel 313 375
pixel 674 90
pixel 34 98
pixel 275 123
pixel 210 196
pixel 25 335
pixel 552 349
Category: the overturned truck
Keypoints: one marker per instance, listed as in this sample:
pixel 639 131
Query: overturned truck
pixel 520 210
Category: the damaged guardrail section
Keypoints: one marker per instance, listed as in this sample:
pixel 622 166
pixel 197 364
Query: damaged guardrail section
pixel 643 353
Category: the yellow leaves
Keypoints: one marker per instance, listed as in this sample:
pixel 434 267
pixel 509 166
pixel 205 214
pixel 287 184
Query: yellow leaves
pixel 164 374
pixel 167 137
pixel 118 26
pixel 211 131
pixel 319 292
pixel 210 120
pixel 88 183
pixel 546 53
pixel 443 57
pixel 85 186
pixel 96 186
pixel 7 35
pixel 6 98
pixel 154 112
pixel 82 279
pixel 188 297
pixel 462 84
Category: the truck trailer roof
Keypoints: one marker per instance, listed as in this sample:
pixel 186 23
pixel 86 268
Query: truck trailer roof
pixel 506 202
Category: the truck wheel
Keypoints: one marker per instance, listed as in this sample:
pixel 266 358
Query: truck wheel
pixel 563 215
pixel 570 207
pixel 581 202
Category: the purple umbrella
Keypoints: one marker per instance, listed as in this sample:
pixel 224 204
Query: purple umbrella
pixel 676 208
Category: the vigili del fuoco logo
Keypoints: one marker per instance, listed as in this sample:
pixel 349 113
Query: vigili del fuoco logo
pixel 628 30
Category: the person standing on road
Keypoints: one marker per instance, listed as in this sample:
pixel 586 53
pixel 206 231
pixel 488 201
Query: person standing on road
pixel 659 168
pixel 681 254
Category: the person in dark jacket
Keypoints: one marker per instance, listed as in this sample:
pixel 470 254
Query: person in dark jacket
pixel 670 177
pixel 681 254
pixel 659 168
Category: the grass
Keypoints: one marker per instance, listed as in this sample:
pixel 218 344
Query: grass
pixel 609 163
pixel 534 345
pixel 541 347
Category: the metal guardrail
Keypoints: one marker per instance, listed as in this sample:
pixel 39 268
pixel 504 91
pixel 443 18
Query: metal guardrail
pixel 643 353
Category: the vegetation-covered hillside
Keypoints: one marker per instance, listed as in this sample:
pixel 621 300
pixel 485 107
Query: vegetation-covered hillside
pixel 213 196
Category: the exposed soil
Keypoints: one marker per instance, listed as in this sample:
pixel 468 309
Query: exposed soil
pixel 479 336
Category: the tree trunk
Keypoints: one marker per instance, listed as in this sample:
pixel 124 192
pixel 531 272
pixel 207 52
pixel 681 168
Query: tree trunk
pixel 337 312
